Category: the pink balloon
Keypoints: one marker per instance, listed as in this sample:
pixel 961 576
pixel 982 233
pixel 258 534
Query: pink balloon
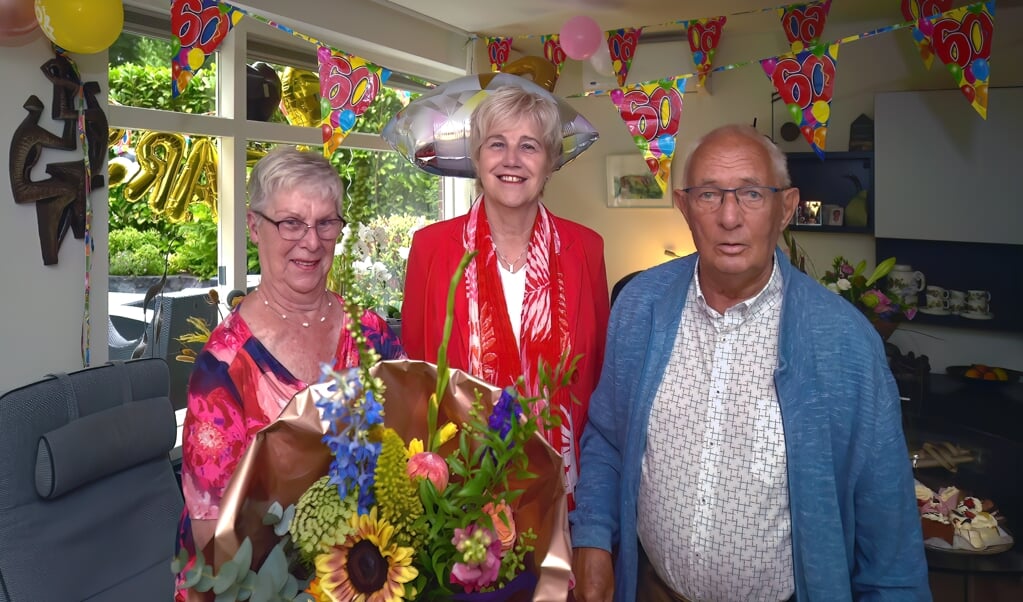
pixel 580 37
pixel 17 18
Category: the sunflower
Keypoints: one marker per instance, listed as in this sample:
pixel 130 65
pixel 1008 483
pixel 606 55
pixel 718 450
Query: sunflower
pixel 368 566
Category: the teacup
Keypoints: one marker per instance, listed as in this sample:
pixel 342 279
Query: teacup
pixel 956 301
pixel 937 297
pixel 977 301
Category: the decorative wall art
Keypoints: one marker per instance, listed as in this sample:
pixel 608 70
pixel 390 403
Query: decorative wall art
pixel 61 199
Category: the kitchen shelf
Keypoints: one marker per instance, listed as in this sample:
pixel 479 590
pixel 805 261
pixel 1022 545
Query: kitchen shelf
pixel 833 181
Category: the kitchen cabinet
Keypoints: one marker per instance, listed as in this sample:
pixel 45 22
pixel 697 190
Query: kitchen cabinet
pixel 835 180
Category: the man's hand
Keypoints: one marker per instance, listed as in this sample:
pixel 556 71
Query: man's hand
pixel 594 573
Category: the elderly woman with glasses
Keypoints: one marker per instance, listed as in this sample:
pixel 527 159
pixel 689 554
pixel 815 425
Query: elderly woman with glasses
pixel 274 343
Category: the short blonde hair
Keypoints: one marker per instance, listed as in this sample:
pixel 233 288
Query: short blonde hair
pixel 509 104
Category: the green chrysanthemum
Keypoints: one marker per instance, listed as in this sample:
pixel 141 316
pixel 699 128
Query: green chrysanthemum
pixel 396 495
pixel 321 519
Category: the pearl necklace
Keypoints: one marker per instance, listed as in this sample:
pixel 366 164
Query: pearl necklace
pixel 284 316
pixel 511 264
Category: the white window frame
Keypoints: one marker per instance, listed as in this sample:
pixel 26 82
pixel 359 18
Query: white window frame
pixel 232 131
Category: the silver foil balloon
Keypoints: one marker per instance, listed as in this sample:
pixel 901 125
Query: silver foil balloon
pixel 432 132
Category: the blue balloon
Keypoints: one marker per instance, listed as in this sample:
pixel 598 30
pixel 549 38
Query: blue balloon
pixel 666 142
pixel 981 69
pixel 346 120
pixel 918 35
pixel 698 57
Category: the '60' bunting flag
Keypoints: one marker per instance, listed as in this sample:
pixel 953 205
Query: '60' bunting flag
pixel 804 23
pixel 962 40
pixel 806 82
pixel 498 51
pixel 621 45
pixel 197 28
pixel 348 86
pixel 915 10
pixel 652 112
pixel 704 36
pixel 552 50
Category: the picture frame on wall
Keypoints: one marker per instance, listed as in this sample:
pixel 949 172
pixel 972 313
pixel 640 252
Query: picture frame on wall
pixel 630 183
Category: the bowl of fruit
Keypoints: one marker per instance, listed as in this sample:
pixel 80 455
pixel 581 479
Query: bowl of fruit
pixel 984 374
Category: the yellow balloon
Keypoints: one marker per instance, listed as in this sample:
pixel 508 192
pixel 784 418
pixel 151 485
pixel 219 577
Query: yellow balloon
pixel 821 111
pixel 300 97
pixel 82 26
pixel 540 70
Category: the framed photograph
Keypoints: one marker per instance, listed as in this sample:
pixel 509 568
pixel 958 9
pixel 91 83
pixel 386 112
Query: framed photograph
pixel 630 183
pixel 809 213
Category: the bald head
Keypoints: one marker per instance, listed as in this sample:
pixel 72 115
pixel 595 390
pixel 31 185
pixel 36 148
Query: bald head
pixel 681 175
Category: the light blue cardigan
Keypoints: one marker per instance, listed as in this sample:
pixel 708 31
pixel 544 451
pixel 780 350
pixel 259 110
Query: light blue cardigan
pixel 855 526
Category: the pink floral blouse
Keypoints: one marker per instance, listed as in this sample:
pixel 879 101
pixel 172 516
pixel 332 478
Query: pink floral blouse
pixel 237 387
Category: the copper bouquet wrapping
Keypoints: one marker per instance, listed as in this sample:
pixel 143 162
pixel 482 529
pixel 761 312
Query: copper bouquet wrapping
pixel 287 456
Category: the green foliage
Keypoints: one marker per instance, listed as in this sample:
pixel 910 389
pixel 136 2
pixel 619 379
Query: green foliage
pixel 378 260
pixel 149 87
pixel 196 247
pixel 135 253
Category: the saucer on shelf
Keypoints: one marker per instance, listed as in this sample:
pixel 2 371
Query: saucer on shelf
pixel 977 316
pixel 934 311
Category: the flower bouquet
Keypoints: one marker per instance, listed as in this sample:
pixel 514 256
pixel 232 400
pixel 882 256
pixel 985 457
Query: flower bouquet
pixel 446 491
pixel 883 309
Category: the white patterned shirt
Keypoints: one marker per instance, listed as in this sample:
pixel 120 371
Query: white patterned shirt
pixel 713 499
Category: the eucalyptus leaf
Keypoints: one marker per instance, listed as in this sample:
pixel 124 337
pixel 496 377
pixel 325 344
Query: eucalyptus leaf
pixel 243 559
pixel 228 595
pixel 284 524
pixel 226 577
pixel 273 514
pixel 264 587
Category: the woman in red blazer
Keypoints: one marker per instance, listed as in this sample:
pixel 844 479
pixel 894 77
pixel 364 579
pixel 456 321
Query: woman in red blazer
pixel 537 286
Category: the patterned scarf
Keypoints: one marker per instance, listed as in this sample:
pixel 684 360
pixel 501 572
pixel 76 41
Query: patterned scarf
pixel 493 354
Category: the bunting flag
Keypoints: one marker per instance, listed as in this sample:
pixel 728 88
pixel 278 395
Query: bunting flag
pixel 915 10
pixel 621 43
pixel 961 39
pixel 498 50
pixel 197 29
pixel 704 36
pixel 652 112
pixel 806 82
pixel 348 86
pixel 552 50
pixel 804 23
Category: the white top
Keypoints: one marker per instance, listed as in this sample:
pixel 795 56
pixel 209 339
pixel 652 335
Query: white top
pixel 713 508
pixel 514 285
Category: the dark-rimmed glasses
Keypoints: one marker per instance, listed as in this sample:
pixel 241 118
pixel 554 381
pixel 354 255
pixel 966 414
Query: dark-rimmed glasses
pixel 292 229
pixel 709 198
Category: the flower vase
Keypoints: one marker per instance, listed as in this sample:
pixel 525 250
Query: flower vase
pixel 885 328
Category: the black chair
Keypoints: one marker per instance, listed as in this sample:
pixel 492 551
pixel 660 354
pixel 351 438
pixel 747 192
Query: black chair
pixel 88 498
pixel 617 288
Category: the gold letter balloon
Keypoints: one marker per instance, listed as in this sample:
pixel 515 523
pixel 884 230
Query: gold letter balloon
pixel 170 176
pixel 82 26
pixel 300 97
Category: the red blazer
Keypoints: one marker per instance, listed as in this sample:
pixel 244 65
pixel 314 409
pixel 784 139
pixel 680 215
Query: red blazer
pixel 433 258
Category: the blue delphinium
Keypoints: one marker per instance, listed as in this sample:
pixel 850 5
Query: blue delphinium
pixel 351 412
pixel 505 410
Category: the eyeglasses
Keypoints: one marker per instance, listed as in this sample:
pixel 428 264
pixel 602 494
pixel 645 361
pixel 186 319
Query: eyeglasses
pixel 709 198
pixel 293 229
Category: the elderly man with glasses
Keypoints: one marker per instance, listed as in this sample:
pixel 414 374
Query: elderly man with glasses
pixel 745 439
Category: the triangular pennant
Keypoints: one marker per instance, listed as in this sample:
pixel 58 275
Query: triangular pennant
pixel 806 82
pixel 652 112
pixel 498 50
pixel 915 10
pixel 804 23
pixel 197 29
pixel 704 36
pixel 348 86
pixel 621 43
pixel 552 50
pixel 961 39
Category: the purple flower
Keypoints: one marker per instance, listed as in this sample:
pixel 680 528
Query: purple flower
pixel 505 410
pixel 479 557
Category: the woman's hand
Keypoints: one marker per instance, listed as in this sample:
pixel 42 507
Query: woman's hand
pixel 594 573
